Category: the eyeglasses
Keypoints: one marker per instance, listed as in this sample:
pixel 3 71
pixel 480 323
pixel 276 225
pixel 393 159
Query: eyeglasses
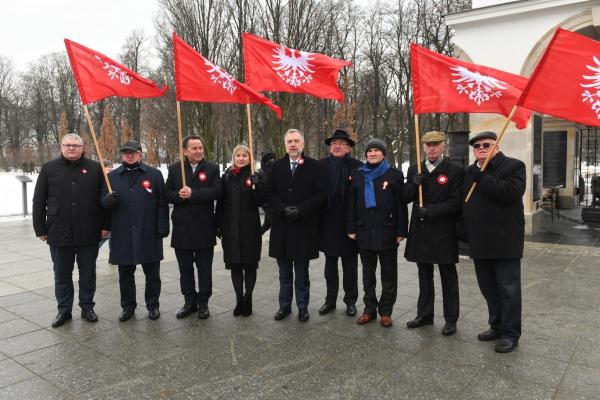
pixel 480 145
pixel 72 146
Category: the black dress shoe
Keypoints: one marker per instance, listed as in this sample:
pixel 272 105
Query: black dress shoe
pixel 303 315
pixel 351 310
pixel 186 310
pixel 61 318
pixel 489 335
pixel 449 329
pixel 326 308
pixel 153 314
pixel 505 345
pixel 419 321
pixel 89 315
pixel 282 313
pixel 125 315
pixel 203 312
pixel 247 305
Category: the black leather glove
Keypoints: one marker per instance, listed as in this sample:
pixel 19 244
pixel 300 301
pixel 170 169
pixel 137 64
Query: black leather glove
pixel 478 176
pixel 254 179
pixel 163 235
pixel 111 200
pixel 419 179
pixel 219 234
pixel 422 213
pixel 291 213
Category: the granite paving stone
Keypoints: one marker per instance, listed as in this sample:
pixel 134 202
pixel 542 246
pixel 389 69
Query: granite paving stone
pixel 329 357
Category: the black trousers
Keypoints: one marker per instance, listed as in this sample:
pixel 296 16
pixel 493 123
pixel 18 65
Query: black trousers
pixel 500 283
pixel 301 283
pixel 63 259
pixel 204 260
pixel 349 280
pixel 127 285
pixel 449 279
pixel 388 260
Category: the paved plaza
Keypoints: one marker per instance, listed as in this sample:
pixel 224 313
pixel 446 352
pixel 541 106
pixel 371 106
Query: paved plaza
pixel 329 357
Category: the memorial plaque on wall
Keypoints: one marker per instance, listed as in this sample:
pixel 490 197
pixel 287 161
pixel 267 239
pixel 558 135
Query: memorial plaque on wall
pixel 537 158
pixel 555 158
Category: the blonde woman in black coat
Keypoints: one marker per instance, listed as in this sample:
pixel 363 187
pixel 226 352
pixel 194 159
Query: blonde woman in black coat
pixel 239 227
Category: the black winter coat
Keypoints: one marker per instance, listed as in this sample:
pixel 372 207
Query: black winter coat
pixel 66 203
pixel 298 240
pixel 141 219
pixel 377 228
pixel 333 240
pixel 493 217
pixel 194 225
pixel 434 240
pixel 238 218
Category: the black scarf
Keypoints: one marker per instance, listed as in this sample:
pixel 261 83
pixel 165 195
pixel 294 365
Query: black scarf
pixel 337 172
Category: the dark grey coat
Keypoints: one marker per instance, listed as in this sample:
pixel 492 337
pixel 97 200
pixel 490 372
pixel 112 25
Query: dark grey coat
pixel 194 225
pixel 141 219
pixel 377 228
pixel 494 218
pixel 434 240
pixel 298 240
pixel 66 204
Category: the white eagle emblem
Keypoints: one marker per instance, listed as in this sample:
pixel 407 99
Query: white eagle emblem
pixel 480 88
pixel 295 69
pixel 115 72
pixel 593 96
pixel 220 77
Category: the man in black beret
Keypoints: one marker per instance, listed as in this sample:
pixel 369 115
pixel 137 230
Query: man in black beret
pixel 495 227
pixel 333 241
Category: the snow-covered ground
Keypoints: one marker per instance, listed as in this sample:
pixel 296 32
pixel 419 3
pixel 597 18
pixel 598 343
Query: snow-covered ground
pixel 11 198
pixel 11 202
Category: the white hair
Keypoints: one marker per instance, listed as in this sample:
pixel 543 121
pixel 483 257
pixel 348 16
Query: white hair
pixel 293 131
pixel 73 136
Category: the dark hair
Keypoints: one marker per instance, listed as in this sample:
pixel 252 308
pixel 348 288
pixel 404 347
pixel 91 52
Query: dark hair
pixel 191 137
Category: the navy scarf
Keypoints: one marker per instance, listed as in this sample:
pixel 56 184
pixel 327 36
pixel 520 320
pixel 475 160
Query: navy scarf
pixel 370 175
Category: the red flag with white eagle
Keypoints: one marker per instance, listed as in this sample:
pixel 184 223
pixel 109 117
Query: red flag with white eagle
pixel 445 84
pixel 566 80
pixel 198 79
pixel 98 76
pixel 276 68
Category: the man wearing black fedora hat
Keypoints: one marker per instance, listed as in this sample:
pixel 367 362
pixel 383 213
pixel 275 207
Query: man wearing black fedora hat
pixel 495 225
pixel 333 241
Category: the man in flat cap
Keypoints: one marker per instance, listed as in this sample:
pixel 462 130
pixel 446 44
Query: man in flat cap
pixel 378 221
pixel 139 221
pixel 432 238
pixel 495 227
pixel 334 242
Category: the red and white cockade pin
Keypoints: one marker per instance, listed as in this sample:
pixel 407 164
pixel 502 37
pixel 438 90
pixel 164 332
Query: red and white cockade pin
pixel 349 177
pixel 442 179
pixel 385 185
pixel 84 171
pixel 300 161
pixel 248 182
pixel 202 176
pixel 147 185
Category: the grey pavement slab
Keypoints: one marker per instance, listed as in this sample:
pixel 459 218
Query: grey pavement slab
pixel 329 357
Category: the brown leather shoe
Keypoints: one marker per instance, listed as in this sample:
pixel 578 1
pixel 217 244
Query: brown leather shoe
pixel 386 321
pixel 365 319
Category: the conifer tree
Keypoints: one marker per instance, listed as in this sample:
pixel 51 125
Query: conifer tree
pixel 126 131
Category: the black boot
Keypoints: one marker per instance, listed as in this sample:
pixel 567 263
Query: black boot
pixel 239 305
pixel 247 304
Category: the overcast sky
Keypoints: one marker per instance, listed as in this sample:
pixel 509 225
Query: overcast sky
pixel 32 28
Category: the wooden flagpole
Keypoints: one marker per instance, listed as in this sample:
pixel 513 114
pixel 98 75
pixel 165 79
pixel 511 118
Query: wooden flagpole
pixel 179 127
pixel 489 156
pixel 95 140
pixel 250 144
pixel 418 146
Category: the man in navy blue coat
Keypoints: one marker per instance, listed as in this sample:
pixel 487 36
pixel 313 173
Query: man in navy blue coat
pixel 139 222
